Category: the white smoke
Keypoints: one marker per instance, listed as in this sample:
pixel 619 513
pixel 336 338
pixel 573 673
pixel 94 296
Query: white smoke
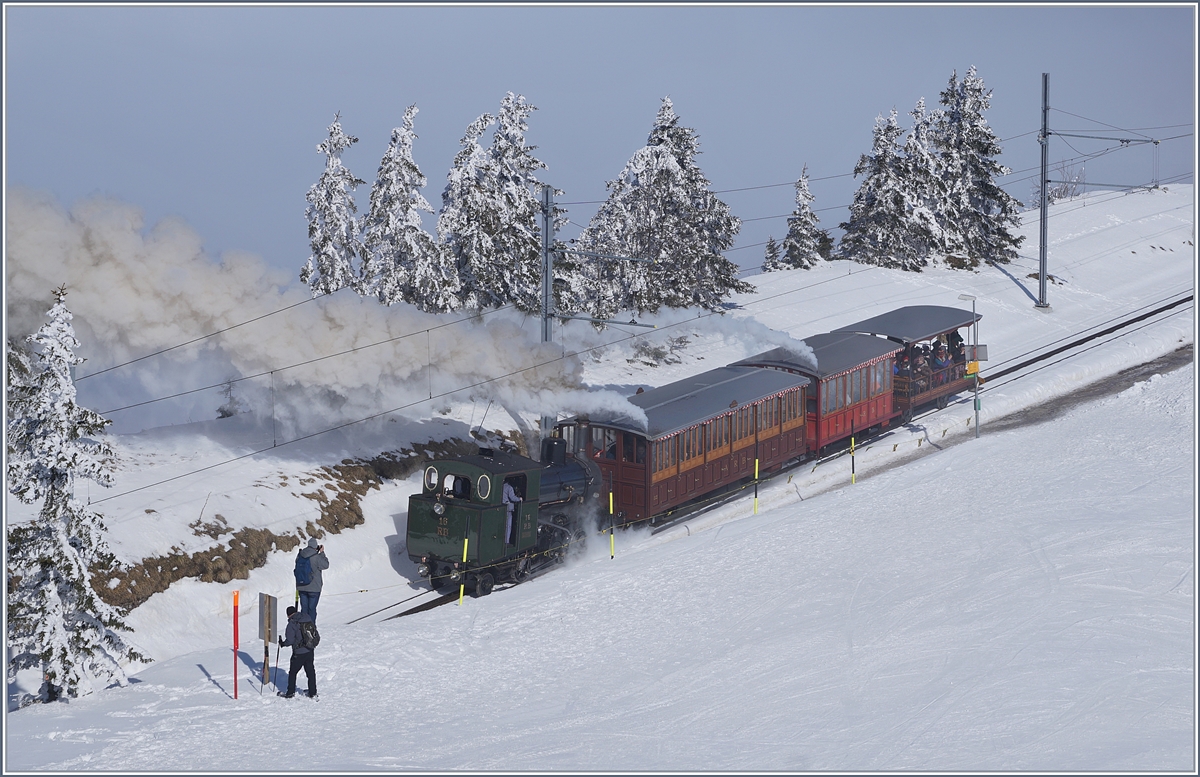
pixel 135 291
pixel 753 336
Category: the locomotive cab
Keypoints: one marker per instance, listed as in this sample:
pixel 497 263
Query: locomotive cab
pixel 458 526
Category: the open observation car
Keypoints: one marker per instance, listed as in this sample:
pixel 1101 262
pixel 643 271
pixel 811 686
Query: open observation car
pixel 701 434
pixel 931 366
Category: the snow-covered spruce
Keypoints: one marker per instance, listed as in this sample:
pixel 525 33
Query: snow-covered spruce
pixel 660 208
pixel 461 224
pixel 802 244
pixel 978 217
pixel 771 261
pixel 489 224
pixel 56 621
pixel 333 229
pixel 877 231
pixel 925 188
pixel 937 195
pixel 401 261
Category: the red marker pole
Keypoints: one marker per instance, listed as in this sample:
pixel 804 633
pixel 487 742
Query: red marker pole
pixel 235 642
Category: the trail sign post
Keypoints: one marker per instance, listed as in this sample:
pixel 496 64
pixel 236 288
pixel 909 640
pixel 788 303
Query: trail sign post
pixel 268 610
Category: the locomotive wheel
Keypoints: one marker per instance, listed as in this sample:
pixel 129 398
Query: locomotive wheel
pixel 906 417
pixel 484 584
pixel 943 401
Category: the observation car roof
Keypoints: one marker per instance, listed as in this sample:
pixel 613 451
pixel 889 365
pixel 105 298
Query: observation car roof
pixel 836 353
pixel 914 323
pixel 676 406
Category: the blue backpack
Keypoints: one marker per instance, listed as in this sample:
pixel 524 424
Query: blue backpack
pixel 303 570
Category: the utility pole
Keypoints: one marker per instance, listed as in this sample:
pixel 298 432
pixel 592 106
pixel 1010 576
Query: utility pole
pixel 548 316
pixel 1044 139
pixel 547 284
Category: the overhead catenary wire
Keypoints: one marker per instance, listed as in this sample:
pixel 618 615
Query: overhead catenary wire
pixel 746 271
pixel 1082 156
pixel 664 327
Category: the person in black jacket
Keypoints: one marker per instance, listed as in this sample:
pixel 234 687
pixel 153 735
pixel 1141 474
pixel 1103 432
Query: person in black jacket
pixel 301 656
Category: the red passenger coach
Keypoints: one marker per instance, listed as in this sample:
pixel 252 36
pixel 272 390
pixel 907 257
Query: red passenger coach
pixel 851 385
pixel 702 433
pixel 932 365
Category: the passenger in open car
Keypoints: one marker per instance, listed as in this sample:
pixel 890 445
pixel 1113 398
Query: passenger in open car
pixel 941 365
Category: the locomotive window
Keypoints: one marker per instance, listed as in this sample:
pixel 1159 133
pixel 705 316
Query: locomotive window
pixel 457 486
pixel 431 478
pixel 484 486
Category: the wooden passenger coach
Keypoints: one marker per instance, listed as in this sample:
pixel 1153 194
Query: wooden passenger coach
pixel 701 434
pixel 920 376
pixel 851 389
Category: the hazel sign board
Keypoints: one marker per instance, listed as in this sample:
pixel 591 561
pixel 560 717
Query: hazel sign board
pixel 268 612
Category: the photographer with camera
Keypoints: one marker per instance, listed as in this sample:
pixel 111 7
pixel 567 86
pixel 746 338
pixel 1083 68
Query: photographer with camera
pixel 310 562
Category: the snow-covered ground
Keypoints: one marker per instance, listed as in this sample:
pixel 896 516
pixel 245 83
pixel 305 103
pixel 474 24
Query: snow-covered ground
pixel 1024 601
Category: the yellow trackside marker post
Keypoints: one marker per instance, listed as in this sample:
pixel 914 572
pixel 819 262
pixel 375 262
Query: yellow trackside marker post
pixel 462 587
pixel 852 481
pixel 612 542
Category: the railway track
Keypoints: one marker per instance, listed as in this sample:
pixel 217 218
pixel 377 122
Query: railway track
pixel 438 599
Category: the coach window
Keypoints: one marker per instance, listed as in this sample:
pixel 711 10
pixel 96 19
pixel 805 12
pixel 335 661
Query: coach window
pixel 604 443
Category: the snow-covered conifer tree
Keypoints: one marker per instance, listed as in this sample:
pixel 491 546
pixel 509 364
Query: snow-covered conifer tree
pixel 660 208
pixel 878 229
pixel 401 261
pixel 468 219
pixel 56 621
pixel 333 230
pixel 979 214
pixel 490 222
pixel 771 262
pixel 801 246
pixel 925 186
pixel 518 239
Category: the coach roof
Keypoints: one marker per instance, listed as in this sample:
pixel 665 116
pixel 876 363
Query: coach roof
pixel 836 352
pixel 684 403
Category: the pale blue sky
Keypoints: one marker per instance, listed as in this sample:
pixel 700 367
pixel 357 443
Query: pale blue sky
pixel 214 113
